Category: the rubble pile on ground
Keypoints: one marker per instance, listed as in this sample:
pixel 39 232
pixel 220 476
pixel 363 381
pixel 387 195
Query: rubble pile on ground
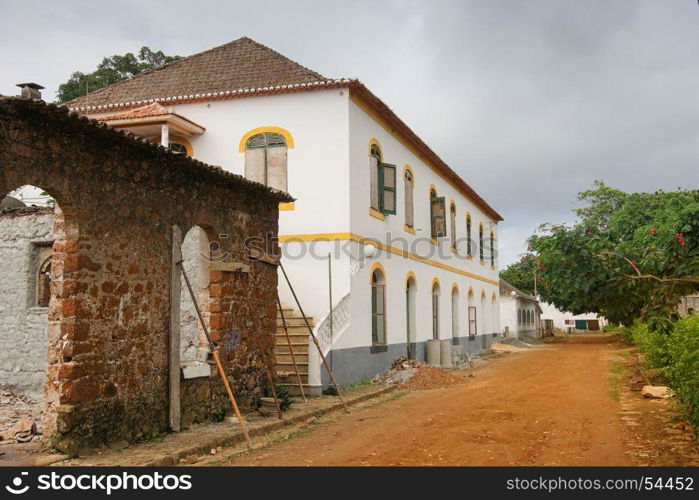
pixel 20 417
pixel 429 377
pixel 403 363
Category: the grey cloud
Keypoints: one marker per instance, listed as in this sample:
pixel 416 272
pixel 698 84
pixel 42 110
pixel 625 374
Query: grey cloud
pixel 528 101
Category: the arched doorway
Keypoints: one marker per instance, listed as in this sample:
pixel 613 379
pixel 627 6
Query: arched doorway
pixel 484 322
pixel 455 314
pixel 34 241
pixel 410 316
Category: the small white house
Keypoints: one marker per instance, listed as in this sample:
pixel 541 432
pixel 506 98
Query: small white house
pixel 520 313
pixel 569 322
pixel 413 247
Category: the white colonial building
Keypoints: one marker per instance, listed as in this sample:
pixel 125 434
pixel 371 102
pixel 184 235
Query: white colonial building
pixel 394 218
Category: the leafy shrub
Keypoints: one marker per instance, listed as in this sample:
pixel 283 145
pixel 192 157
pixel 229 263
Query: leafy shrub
pixel 283 396
pixel 674 352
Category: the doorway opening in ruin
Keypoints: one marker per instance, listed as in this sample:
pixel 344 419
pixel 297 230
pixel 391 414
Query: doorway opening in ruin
pixel 190 358
pixel 31 226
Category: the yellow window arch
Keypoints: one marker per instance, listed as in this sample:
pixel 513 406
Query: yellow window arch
pixel 260 130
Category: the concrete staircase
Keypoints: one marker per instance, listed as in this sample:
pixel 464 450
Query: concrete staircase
pixel 299 336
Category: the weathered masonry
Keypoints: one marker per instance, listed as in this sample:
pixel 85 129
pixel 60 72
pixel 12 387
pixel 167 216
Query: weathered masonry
pixel 123 208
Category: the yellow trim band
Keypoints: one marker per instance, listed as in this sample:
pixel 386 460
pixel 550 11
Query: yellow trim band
pixel 409 229
pixel 290 238
pixel 259 130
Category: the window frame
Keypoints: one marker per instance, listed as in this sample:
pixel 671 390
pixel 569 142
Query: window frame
pixel 377 288
pixel 434 199
pixel 383 187
pixel 472 321
pixel 435 311
pixel 469 250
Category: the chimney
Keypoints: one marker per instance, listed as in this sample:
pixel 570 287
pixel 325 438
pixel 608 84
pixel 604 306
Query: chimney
pixel 30 90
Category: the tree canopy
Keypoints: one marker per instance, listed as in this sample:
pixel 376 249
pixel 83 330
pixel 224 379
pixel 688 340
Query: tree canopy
pixel 628 256
pixel 111 70
pixel 521 274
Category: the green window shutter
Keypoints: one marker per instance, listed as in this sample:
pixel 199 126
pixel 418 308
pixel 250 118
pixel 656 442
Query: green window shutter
pixel 387 188
pixel 438 217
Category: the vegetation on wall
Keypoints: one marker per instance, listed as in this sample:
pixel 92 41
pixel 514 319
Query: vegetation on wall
pixel 111 70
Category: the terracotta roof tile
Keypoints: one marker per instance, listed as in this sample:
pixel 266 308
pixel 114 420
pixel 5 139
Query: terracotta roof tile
pixel 146 111
pixel 242 63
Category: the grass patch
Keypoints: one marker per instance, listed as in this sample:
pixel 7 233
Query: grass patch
pixel 614 381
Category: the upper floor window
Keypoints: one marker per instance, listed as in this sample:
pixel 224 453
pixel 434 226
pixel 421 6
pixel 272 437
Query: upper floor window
pixel 409 187
pixel 437 215
pixel 469 241
pixel 452 225
pixel 266 160
pixel 480 243
pixel 492 248
pixel 382 183
pixel 178 148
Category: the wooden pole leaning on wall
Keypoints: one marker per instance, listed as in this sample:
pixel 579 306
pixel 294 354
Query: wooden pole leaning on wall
pixel 315 340
pixel 214 352
pixel 291 350
pixel 270 381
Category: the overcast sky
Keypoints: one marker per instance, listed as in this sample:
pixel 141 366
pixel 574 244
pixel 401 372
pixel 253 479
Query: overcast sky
pixel 529 101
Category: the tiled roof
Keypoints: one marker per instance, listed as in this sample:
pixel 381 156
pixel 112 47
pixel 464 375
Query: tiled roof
pixel 242 63
pixel 147 111
pixel 62 116
pixel 244 68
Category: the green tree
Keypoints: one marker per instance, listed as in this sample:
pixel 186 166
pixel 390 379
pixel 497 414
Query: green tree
pixel 522 273
pixel 111 70
pixel 628 256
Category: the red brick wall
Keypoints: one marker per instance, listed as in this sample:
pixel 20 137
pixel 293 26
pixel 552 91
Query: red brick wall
pixel 110 308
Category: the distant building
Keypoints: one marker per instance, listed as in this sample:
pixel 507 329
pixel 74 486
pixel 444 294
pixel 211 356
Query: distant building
pixel 689 305
pixel 569 322
pixel 520 313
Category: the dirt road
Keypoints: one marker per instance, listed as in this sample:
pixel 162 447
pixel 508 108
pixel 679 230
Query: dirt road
pixel 550 406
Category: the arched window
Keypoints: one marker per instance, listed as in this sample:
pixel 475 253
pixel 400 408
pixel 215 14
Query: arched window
pixel 492 248
pixel 437 215
pixel 468 235
pixel 455 313
pixel 435 310
pixel 480 242
pixel 43 284
pixel 265 160
pixel 472 324
pixel 452 225
pixel 495 318
pixel 374 162
pixel 382 183
pixel 178 148
pixel 409 186
pixel 378 308
pixel 410 308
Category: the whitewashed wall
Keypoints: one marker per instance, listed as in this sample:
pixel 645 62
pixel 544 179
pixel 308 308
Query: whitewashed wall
pixel 363 128
pixel 318 175
pixel 23 340
pixel 559 317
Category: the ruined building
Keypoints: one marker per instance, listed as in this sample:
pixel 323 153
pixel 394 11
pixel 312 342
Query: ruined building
pixel 91 294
